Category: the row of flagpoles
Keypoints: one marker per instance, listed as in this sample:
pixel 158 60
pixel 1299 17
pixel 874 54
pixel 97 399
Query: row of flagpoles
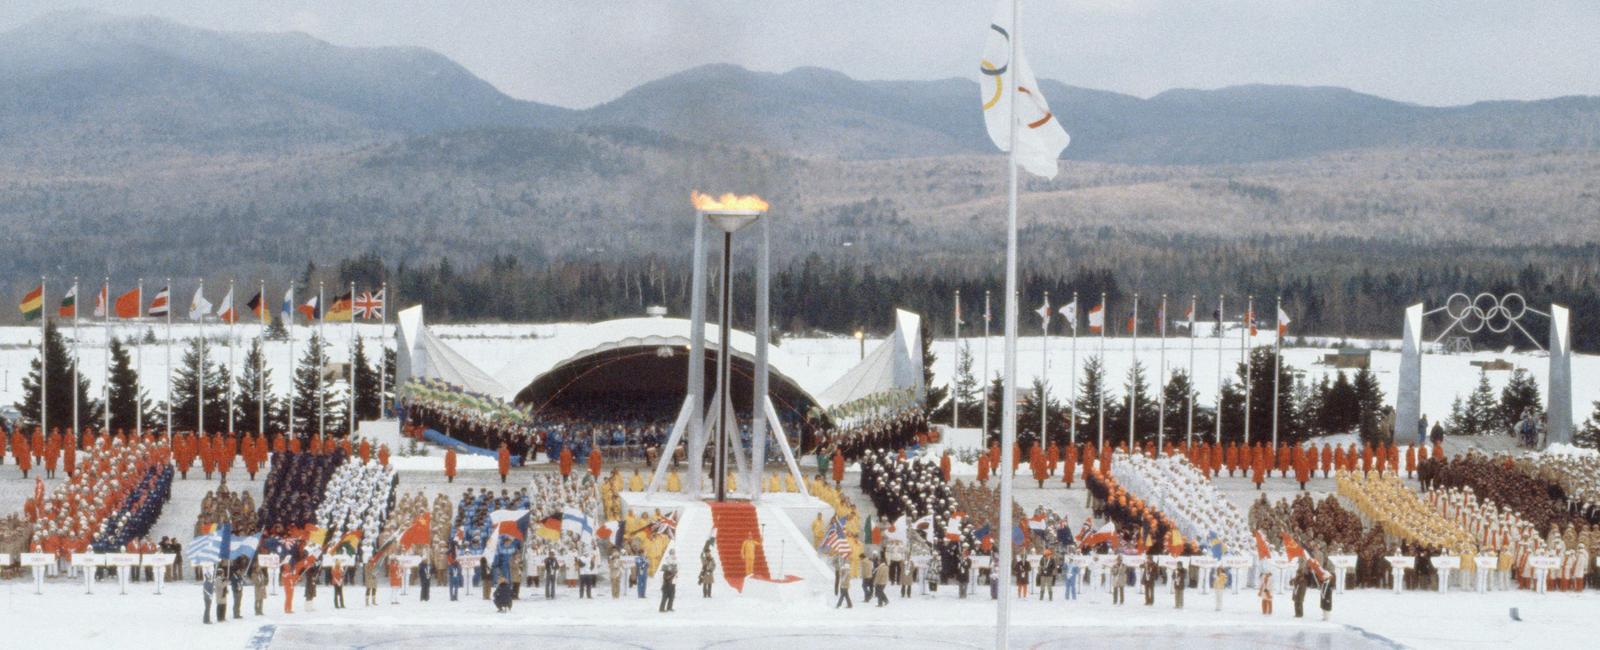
pixel 131 307
pixel 1096 325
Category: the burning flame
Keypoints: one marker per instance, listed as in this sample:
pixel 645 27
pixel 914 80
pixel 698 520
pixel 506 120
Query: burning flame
pixel 727 202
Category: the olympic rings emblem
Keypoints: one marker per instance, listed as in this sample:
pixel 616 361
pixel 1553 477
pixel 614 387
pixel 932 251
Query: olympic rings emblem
pixel 1486 311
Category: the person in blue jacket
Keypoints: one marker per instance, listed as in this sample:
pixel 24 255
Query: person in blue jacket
pixel 454 578
pixel 641 571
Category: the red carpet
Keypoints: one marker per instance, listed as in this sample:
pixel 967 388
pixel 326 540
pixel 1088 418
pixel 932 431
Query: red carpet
pixel 735 521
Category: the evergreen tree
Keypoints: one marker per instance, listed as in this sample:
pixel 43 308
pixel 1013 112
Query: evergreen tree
pixel 996 397
pixel 966 393
pixel 128 402
pixel 1520 396
pixel 194 368
pixel 366 387
pixel 388 377
pixel 1232 412
pixel 1456 422
pixel 1481 413
pixel 1341 411
pixel 1314 410
pixel 1144 419
pixel 1262 366
pixel 1178 393
pixel 1369 406
pixel 255 379
pixel 936 395
pixel 1588 436
pixel 307 379
pixel 1091 394
pixel 1029 417
pixel 58 388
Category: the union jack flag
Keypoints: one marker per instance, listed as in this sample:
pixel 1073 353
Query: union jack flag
pixel 369 305
pixel 836 540
pixel 665 525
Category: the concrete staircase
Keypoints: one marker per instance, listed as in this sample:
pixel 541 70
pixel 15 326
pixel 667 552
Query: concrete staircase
pixel 735 522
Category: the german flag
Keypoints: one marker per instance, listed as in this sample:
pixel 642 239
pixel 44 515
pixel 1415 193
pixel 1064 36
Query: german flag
pixel 258 306
pixel 32 304
pixel 342 308
pixel 349 544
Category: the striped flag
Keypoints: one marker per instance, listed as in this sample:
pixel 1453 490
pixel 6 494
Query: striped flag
pixel 342 309
pixel 100 300
pixel 665 525
pixel 158 306
pixel 69 303
pixel 258 306
pixel 205 549
pixel 32 304
pixel 835 540
pixel 225 310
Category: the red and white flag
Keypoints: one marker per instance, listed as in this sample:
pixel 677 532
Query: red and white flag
pixel 1097 318
pixel 1104 535
pixel 158 305
pixel 100 301
pixel 1283 323
pixel 225 311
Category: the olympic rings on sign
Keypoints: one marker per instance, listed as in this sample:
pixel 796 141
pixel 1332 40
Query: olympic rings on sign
pixel 1486 311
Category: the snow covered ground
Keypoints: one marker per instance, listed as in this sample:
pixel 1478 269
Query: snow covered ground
pixel 65 618
pixel 818 361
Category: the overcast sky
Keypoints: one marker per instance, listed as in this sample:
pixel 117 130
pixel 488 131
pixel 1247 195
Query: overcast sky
pixel 579 53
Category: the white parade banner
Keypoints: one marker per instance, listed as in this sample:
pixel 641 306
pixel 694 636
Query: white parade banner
pixel 1204 562
pixel 122 559
pixel 1236 562
pixel 1447 562
pixel 269 561
pixel 87 560
pixel 408 561
pixel 37 559
pixel 1401 561
pixel 1342 561
pixel 1546 562
pixel 158 559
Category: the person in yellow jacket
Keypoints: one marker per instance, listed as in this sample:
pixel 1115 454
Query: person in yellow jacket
pixel 747 552
pixel 673 483
pixel 817 530
pixel 636 482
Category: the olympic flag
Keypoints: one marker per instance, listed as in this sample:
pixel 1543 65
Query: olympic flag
pixel 1041 137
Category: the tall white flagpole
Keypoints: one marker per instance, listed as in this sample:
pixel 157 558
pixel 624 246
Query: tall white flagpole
pixel 1008 406
pixel 205 354
pixel 322 345
pixel 44 356
pixel 169 359
pixel 1194 304
pixel 1250 318
pixel 138 375
pixel 1161 384
pixel 350 424
pixel 233 329
pixel 76 426
pixel 1100 417
pixel 105 372
pixel 987 315
pixel 383 347
pixel 1277 366
pixel 1072 394
pixel 1220 305
pixel 1044 374
pixel 1133 395
pixel 261 352
pixel 955 390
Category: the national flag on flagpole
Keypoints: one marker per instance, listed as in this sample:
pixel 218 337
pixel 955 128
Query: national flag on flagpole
pixel 244 547
pixel 574 520
pixel 1263 551
pixel 100 300
pixel 32 304
pixel 1292 549
pixel 1188 315
pixel 128 304
pixel 1038 134
pixel 225 312
pixel 1133 323
pixel 1039 522
pixel 204 549
pixel 1106 534
pixel 1070 311
pixel 341 309
pixel 666 525
pixel 258 307
pixel 69 303
pixel 836 540
pixel 349 543
pixel 159 305
pixel 199 307
pixel 1097 318
pixel 311 310
pixel 952 527
pixel 417 533
pixel 369 305
pixel 286 312
pixel 1044 314
pixel 1250 320
pixel 1283 323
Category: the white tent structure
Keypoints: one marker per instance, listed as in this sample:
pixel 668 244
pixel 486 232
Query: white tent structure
pixel 421 355
pixel 895 364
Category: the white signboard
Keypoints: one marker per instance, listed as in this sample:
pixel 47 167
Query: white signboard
pixel 1132 560
pixel 1401 561
pixel 122 559
pixel 269 561
pixel 342 559
pixel 1447 562
pixel 1342 561
pixel 1236 561
pixel 38 559
pixel 86 559
pixel 1487 562
pixel 1171 562
pixel 408 561
pixel 1204 562
pixel 1544 562
pixel 1079 560
pixel 157 559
